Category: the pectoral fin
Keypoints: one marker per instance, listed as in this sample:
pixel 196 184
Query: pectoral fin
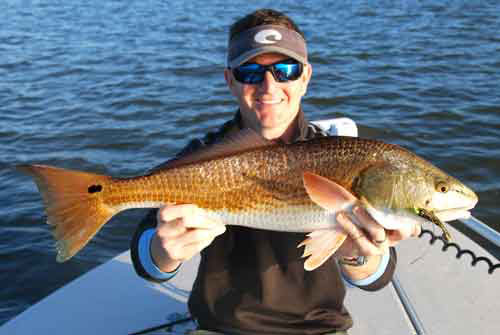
pixel 327 193
pixel 320 245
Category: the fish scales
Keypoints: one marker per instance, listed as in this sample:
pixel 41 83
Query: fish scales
pixel 259 187
pixel 263 185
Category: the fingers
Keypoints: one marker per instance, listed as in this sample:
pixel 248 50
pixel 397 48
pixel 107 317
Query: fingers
pixel 196 236
pixel 406 231
pixel 193 216
pixel 173 228
pixel 177 220
pixel 180 251
pixel 185 252
pixel 376 232
pixel 360 244
pixel 184 230
pixel 369 237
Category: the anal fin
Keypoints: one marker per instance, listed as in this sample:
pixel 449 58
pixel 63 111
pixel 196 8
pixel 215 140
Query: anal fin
pixel 320 245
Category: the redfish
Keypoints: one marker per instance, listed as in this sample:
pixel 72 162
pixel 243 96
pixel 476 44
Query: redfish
pixel 248 181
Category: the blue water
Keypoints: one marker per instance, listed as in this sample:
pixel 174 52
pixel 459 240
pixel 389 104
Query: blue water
pixel 119 86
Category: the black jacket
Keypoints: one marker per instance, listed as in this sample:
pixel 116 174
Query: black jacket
pixel 253 281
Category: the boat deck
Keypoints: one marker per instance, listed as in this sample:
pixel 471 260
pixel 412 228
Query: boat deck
pixel 448 295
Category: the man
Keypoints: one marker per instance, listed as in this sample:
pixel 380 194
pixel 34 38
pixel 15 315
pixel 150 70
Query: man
pixel 253 281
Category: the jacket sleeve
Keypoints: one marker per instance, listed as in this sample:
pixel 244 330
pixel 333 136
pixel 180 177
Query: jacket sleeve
pixel 148 222
pixel 386 276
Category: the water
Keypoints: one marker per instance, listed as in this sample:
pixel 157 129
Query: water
pixel 117 87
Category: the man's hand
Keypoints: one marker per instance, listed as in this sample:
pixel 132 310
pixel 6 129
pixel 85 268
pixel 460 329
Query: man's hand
pixel 366 237
pixel 182 232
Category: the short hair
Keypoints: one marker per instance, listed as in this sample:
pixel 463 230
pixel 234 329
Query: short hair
pixel 262 17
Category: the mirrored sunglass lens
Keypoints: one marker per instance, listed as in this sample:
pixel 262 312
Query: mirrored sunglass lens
pixel 251 68
pixel 286 72
pixel 249 73
pixel 247 77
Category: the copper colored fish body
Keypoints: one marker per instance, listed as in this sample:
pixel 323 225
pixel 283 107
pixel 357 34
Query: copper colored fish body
pixel 264 185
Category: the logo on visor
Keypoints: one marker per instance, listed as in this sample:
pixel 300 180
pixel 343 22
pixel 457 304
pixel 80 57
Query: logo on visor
pixel 268 36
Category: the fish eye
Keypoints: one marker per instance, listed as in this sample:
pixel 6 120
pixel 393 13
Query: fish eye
pixel 442 187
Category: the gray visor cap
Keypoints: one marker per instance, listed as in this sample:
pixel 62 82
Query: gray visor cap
pixel 265 39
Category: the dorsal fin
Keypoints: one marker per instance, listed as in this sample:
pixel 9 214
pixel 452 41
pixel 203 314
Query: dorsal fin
pixel 238 142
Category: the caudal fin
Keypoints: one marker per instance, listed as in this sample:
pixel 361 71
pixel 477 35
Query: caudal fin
pixel 73 203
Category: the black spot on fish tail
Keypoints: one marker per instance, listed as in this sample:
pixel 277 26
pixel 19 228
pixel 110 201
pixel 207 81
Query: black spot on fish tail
pixel 95 189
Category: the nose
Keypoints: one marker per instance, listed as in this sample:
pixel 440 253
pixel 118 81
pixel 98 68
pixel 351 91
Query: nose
pixel 269 83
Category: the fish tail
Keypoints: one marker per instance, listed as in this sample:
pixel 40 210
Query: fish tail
pixel 74 205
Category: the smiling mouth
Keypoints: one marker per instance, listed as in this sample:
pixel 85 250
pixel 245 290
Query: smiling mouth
pixel 270 101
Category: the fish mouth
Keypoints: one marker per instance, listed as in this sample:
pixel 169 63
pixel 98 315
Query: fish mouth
pixel 465 203
pixel 451 214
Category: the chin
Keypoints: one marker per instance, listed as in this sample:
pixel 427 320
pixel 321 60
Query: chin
pixel 269 121
pixel 270 114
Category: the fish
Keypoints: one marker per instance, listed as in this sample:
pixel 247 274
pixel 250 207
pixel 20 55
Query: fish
pixel 246 180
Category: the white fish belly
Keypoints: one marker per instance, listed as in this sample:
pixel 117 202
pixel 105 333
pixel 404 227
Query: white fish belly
pixel 291 219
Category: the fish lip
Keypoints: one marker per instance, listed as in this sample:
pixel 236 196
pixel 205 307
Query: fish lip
pixel 468 204
pixel 451 214
pixel 465 209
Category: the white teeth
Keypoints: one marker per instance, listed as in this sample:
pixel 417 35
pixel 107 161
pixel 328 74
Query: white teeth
pixel 270 102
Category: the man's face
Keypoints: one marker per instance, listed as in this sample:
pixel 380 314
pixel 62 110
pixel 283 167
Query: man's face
pixel 270 105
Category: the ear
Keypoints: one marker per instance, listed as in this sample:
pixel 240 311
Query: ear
pixel 228 76
pixel 306 77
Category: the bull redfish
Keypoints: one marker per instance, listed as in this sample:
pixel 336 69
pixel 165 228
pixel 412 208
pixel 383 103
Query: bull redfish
pixel 249 181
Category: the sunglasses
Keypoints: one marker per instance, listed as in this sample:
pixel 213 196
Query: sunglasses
pixel 282 71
